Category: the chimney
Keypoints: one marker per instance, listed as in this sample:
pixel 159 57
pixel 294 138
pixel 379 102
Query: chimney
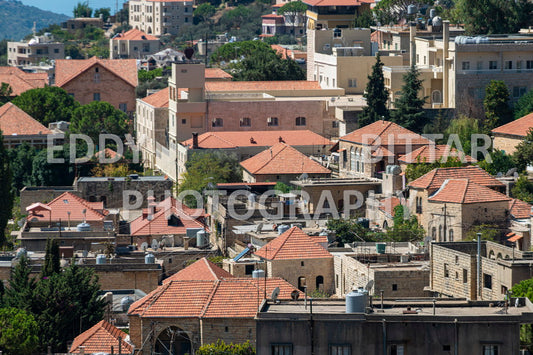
pixel 195 140
pixel 412 47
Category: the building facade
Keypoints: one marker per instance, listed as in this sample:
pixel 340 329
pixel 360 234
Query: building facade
pixel 38 49
pixel 133 44
pixel 160 17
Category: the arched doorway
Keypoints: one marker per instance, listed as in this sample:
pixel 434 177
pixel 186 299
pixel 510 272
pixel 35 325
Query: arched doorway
pixel 173 341
pixel 319 282
pixel 301 283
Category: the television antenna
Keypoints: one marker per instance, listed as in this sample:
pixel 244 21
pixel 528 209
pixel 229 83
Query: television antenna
pixel 369 285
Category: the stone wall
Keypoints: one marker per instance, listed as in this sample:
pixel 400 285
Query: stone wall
pixel 293 269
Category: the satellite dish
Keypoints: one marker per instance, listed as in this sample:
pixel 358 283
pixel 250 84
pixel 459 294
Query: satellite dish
pixel 304 176
pixel 259 227
pixel 275 294
pixel 369 285
pixel 189 52
pixel 144 246
pixel 295 294
pixel 85 253
pixel 21 222
pixel 155 244
pixel 511 172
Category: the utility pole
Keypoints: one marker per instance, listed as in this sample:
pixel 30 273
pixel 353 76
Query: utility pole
pixel 445 222
pixel 479 291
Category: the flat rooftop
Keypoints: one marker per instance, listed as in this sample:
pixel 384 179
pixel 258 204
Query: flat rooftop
pixel 336 182
pixel 131 179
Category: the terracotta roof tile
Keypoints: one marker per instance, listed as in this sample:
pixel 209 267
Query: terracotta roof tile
pixel 261 86
pixel 234 139
pixel 282 159
pixel 159 99
pixel 293 244
pixel 68 202
pixel 433 153
pixel 14 121
pixel 68 69
pixel 216 73
pixel 389 134
pixel 465 191
pixel 520 209
pixel 436 177
pixel 202 269
pixel 20 81
pixel 388 204
pixel 100 338
pixel 519 127
pixel 135 35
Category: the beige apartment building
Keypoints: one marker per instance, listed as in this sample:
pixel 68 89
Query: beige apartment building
pixel 38 49
pixel 133 44
pixel 160 17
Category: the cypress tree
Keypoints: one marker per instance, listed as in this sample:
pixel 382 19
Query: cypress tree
pixel 6 193
pixel 376 96
pixel 409 111
pixel 19 294
pixel 51 259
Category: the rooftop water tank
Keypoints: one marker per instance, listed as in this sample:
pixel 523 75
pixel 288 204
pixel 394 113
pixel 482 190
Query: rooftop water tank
pixel 126 302
pixel 283 228
pixel 356 301
pixel 411 9
pixel 258 274
pixel 437 21
pixel 202 238
pixel 83 227
pixel 149 258
pixel 101 259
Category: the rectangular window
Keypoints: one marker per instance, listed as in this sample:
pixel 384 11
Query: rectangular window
pixel 340 350
pixel 487 281
pixel 490 350
pixel 300 121
pixel 96 96
pixel 272 121
pixel 395 287
pixel 519 91
pixel 446 271
pixel 249 269
pixel 245 122
pixel 218 122
pixel 529 64
pixel 396 349
pixel 519 65
pixel 466 65
pixel 480 65
pixel 56 50
pixel 123 107
pixel 508 64
pixel 281 349
pixel 493 65
pixel 465 276
pixel 352 83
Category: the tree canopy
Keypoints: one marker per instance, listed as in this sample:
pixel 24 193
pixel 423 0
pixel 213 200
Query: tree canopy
pixel 99 117
pixel 414 171
pixel 524 105
pixel 496 104
pixel 523 156
pixel 376 96
pixel 523 189
pixel 82 9
pixel 500 163
pixel 220 347
pixel 409 111
pixel 406 228
pixel 18 332
pixel 6 193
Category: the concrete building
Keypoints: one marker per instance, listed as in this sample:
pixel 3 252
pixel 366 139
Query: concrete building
pixel 110 80
pixel 74 24
pixel 18 127
pixel 454 269
pixel 403 327
pixel 36 50
pixel 508 136
pixel 133 44
pixel 324 14
pixel 157 17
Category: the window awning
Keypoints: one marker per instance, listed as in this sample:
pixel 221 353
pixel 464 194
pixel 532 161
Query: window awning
pixel 515 238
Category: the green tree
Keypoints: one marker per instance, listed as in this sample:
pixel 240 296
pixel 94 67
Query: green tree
pixel 500 163
pixel 19 294
pixel 524 105
pixel 82 9
pixel 406 228
pixel 420 168
pixel 204 12
pixel 282 187
pixel 51 264
pixel 48 104
pixel 409 111
pixel 18 332
pixel 21 159
pixel 376 96
pixel 523 156
pixel 6 192
pixel 523 189
pixel 525 289
pixel 496 104
pixel 99 117
pixel 104 11
pixel 463 127
pixel 350 230
pixel 293 10
pixel 488 232
pixel 364 20
pixel 5 93
pixel 221 348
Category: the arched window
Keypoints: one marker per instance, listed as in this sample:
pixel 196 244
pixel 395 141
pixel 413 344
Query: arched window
pixel 173 340
pixel 357 159
pixel 451 235
pixel 301 283
pixel 319 282
pixel 433 233
pixel 385 225
pixel 300 121
pixel 352 158
pixel 440 233
pixel 436 97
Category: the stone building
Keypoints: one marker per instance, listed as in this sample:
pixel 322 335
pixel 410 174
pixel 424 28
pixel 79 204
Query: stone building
pixel 508 136
pixel 324 14
pixel 79 23
pixel 110 80
pixel 103 337
pixel 299 260
pixel 36 50
pixel 158 17
pixel 133 44
pixel 20 81
pixel 18 127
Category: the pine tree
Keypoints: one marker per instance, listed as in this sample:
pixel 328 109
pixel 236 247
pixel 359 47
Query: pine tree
pixel 19 294
pixel 376 96
pixel 51 259
pixel 6 194
pixel 409 111
pixel 496 105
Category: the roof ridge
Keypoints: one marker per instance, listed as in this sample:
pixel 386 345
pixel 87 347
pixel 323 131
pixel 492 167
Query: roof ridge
pixel 89 62
pixel 155 297
pixel 210 298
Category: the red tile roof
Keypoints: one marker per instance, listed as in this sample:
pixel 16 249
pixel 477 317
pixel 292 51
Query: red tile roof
pixel 20 81
pixel 159 99
pixel 216 73
pixel 163 213
pixel 262 86
pixel 14 121
pixel 519 127
pixel 436 177
pixel 107 152
pixel 100 338
pixel 293 244
pixel 388 205
pixel 465 191
pixel 225 298
pixel 520 209
pixel 433 153
pixel 68 202
pixel 202 269
pixel 384 133
pixel 337 2
pixel 234 139
pixel 284 52
pixel 68 69
pixel 282 159
pixel 135 35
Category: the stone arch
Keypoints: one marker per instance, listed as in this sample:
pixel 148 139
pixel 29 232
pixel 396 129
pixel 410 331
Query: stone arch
pixel 436 97
pixel 319 282
pixel 301 283
pixel 491 255
pixel 149 31
pixel 173 341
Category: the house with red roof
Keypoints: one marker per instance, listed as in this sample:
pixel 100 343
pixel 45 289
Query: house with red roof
pixel 18 127
pixel 300 260
pixel 521 214
pixel 368 150
pixel 102 338
pixel 199 305
pixel 19 81
pixel 509 135
pixel 133 44
pixel 94 79
pixel 281 162
pixel 432 153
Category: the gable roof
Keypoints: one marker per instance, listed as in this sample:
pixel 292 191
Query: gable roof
pixel 163 212
pixel 69 69
pixel 202 269
pixel 234 139
pixel 337 2
pixel 216 73
pixel 100 338
pixel 20 81
pixel 520 209
pixel 68 202
pixel 384 133
pixel 432 153
pixel 282 159
pixel 388 204
pixel 436 177
pixel 293 244
pixel 159 99
pixel 519 127
pixel 262 86
pixel 14 121
pixel 135 35
pixel 465 191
